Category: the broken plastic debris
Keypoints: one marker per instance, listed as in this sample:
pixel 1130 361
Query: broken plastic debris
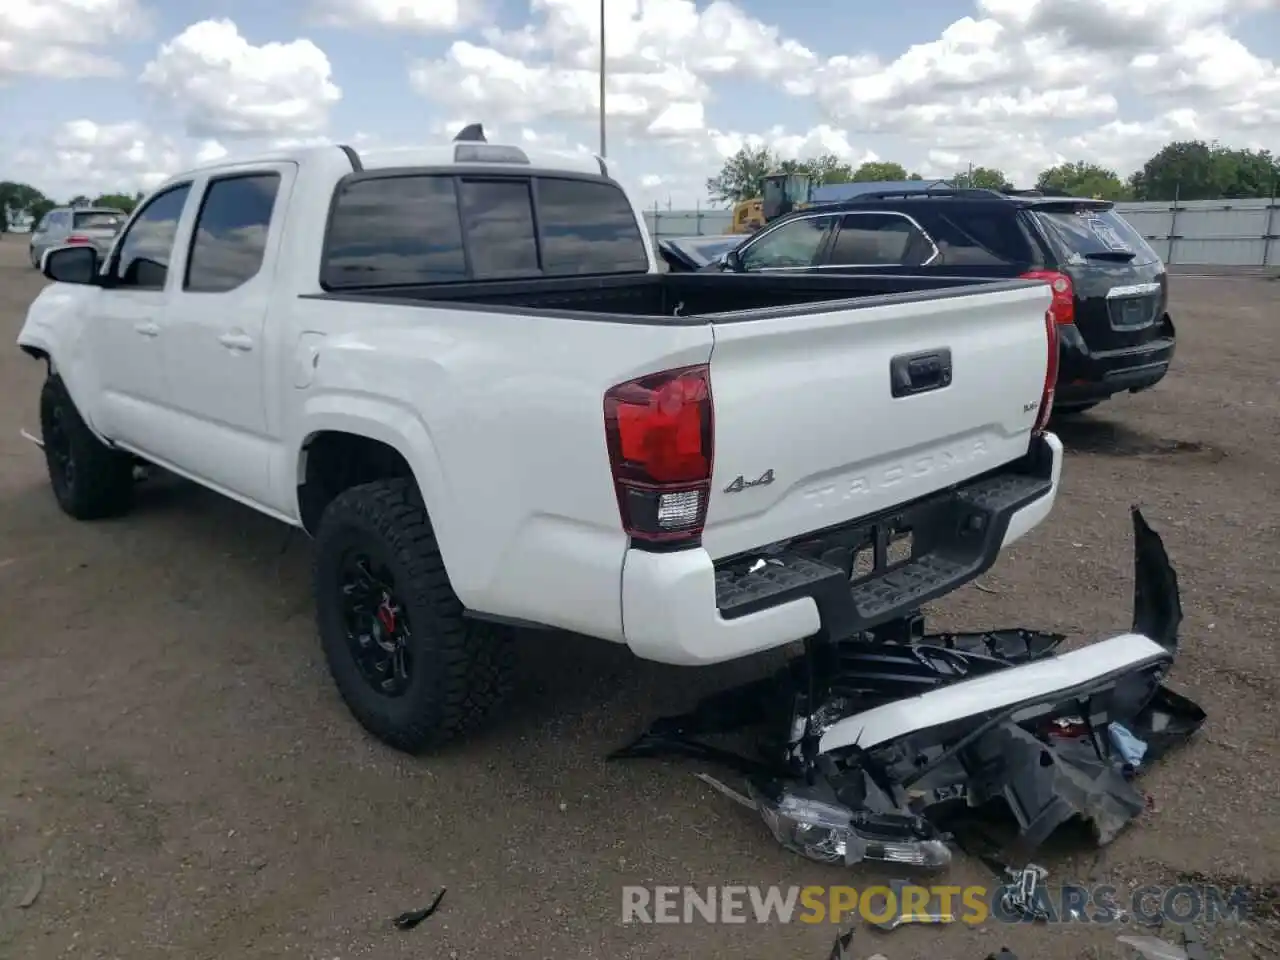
pixel 1153 948
pixel 882 747
pixel 824 830
pixel 33 889
pixel 411 918
pixel 930 913
pixel 728 791
pixel 1130 748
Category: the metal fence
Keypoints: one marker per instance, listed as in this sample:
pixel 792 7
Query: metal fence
pixel 1225 233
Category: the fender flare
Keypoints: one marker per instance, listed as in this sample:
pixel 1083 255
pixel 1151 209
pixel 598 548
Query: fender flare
pixel 41 348
pixel 399 427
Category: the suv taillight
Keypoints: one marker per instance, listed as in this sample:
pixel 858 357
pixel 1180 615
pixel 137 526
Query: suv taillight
pixel 659 430
pixel 76 238
pixel 1063 306
pixel 1050 371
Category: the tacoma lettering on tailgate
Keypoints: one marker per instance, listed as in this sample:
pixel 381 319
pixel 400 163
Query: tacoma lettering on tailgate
pixel 935 461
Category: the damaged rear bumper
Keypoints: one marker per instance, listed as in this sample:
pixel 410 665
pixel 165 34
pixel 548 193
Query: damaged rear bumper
pixel 1024 692
pixel 891 749
pixel 684 608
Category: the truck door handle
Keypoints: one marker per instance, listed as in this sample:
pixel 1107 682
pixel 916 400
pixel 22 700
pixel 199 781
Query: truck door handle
pixel 236 341
pixel 147 329
pixel 912 373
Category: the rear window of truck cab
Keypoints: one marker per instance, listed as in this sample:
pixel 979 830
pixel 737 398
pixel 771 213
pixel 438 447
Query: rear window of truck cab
pixel 411 229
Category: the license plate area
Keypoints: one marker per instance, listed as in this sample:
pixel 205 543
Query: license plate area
pixel 869 551
pixel 1132 313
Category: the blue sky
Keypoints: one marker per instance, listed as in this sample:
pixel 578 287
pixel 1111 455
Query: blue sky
pixel 113 94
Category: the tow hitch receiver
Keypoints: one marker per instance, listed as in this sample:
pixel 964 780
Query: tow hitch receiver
pixel 893 745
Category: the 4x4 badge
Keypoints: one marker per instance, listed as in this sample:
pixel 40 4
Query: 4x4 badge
pixel 741 483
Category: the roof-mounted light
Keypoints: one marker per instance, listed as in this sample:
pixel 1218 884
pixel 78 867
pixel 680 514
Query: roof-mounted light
pixel 488 153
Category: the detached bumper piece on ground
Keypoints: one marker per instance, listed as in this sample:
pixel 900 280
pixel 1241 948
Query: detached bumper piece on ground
pixel 891 747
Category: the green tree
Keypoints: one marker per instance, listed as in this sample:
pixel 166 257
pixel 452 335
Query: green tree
pixel 982 178
pixel 915 176
pixel 828 168
pixel 742 176
pixel 4 220
pixel 1248 173
pixel 38 209
pixel 875 170
pixel 1083 179
pixel 1184 169
pixel 18 198
pixel 121 201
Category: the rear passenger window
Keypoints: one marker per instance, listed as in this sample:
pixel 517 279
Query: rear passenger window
pixel 879 240
pixel 587 227
pixel 230 237
pixel 395 230
pixel 497 216
pixel 981 239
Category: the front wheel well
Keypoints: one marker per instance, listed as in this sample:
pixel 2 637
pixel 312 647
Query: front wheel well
pixel 335 461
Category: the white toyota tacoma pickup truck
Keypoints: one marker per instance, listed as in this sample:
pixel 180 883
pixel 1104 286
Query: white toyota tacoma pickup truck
pixel 461 371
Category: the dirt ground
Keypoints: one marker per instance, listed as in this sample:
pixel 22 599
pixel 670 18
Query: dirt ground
pixel 176 765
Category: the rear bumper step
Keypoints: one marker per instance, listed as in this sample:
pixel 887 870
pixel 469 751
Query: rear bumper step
pixel 683 607
pixel 955 537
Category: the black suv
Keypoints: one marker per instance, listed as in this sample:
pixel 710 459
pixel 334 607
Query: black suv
pixel 1110 289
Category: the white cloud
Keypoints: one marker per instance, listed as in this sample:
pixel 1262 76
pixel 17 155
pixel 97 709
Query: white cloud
pixel 1016 84
pixel 221 85
pixel 91 158
pixel 420 16
pixel 66 39
pixel 1019 84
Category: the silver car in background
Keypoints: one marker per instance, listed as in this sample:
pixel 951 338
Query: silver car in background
pixel 63 225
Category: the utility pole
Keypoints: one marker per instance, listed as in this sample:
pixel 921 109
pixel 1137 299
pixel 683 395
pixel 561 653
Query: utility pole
pixel 602 78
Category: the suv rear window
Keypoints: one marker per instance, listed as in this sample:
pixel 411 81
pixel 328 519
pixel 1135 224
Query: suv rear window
pixel 437 228
pixel 1093 233
pixel 97 220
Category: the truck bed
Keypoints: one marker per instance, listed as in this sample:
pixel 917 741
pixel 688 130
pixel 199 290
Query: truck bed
pixel 681 297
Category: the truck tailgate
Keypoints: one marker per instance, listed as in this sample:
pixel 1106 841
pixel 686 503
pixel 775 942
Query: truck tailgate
pixel 809 432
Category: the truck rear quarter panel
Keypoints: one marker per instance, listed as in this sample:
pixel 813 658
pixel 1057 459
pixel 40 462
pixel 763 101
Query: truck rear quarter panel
pixel 501 418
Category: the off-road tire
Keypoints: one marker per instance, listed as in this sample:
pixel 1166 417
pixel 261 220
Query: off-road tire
pixel 462 667
pixel 100 481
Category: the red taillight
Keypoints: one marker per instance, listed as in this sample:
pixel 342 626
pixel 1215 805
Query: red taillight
pixel 659 433
pixel 1063 306
pixel 76 238
pixel 1050 371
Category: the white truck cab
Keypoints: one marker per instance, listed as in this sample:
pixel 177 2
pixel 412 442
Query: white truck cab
pixel 459 369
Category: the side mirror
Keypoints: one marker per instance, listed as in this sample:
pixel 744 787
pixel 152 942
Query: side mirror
pixel 731 261
pixel 72 264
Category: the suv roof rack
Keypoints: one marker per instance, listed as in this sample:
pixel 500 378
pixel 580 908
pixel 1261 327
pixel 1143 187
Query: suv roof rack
pixel 1037 192
pixel 969 193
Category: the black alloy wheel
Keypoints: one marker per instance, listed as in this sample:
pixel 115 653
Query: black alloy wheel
pixel 58 450
pixel 377 624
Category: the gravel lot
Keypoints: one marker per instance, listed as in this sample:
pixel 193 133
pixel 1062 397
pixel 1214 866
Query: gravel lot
pixel 175 760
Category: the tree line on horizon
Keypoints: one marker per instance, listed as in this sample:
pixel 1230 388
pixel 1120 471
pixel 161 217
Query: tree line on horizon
pixel 1181 170
pixel 24 200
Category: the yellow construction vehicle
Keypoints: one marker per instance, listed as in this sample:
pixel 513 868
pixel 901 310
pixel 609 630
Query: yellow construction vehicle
pixel 783 192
